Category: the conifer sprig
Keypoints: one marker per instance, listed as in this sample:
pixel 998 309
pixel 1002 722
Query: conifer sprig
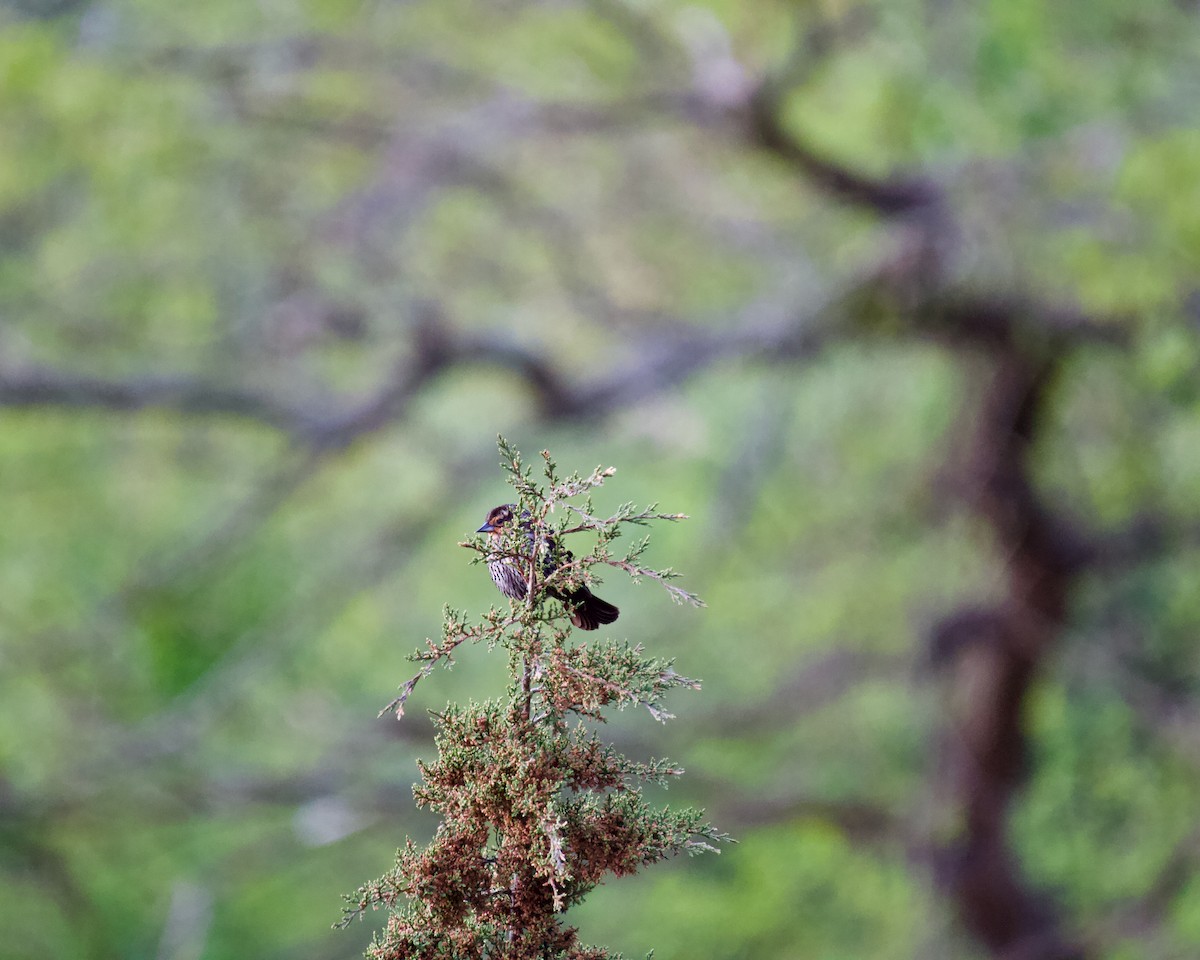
pixel 535 809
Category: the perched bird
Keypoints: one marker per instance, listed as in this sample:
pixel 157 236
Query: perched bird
pixel 587 610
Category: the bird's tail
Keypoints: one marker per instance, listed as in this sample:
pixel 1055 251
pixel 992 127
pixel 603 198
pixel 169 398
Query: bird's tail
pixel 588 611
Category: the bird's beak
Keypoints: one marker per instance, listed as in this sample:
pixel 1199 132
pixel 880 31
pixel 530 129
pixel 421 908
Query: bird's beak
pixel 486 528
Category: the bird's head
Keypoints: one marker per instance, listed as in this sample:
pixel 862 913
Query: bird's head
pixel 498 519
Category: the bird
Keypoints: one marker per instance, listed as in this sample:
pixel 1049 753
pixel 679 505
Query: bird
pixel 587 611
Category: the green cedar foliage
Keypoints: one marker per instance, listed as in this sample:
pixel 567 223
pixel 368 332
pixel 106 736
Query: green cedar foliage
pixel 535 808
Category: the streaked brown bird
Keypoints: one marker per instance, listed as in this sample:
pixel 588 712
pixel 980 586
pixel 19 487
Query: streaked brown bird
pixel 587 611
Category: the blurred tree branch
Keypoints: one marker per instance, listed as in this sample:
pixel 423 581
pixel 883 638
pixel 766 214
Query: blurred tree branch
pixel 995 654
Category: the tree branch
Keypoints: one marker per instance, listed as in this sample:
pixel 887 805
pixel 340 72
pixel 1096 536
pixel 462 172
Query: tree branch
pixel 889 197
pixel 995 654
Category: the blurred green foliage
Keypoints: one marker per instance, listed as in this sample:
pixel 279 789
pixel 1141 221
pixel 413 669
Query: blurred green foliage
pixel 201 617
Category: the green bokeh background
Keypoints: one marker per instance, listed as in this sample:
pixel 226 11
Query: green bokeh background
pixel 199 618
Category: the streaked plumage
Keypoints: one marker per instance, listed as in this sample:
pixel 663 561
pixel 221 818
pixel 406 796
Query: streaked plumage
pixel 587 611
